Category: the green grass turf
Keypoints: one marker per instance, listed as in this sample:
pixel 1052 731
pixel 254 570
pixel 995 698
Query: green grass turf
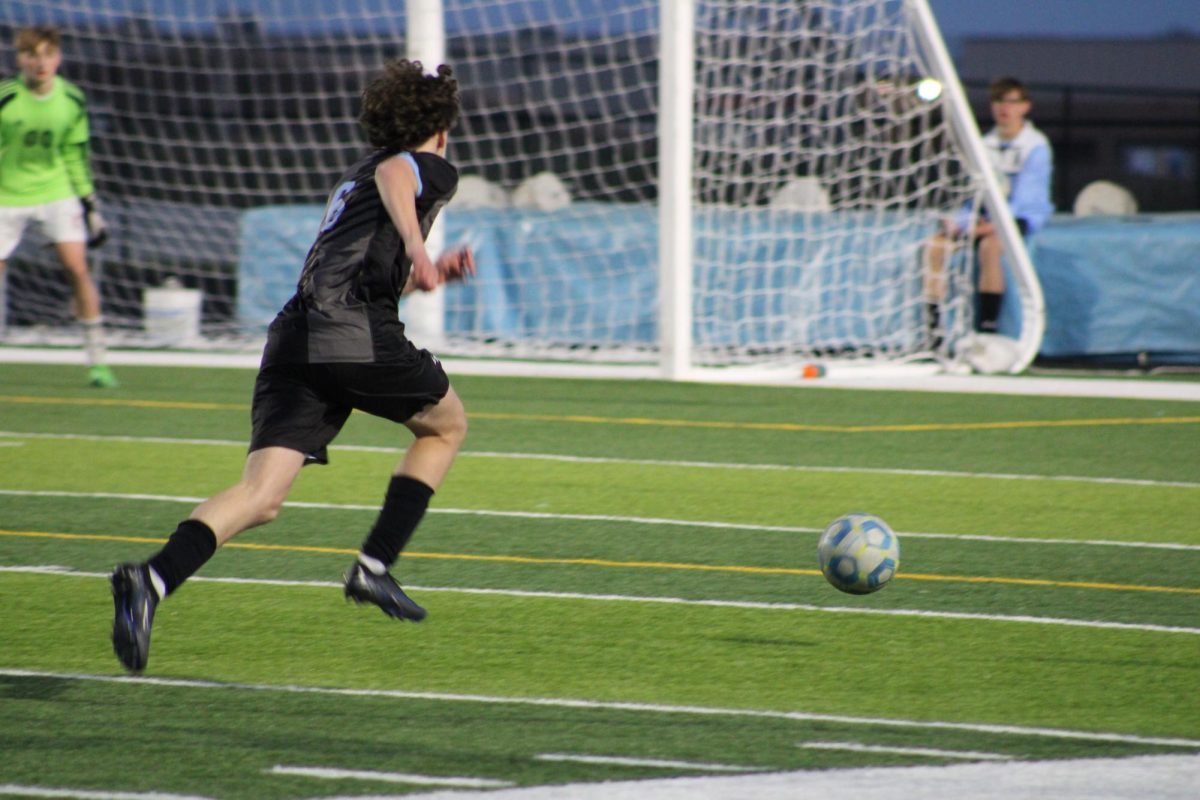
pixel 1132 682
pixel 808 499
pixel 1153 450
pixel 647 560
pixel 247 733
pixel 935 669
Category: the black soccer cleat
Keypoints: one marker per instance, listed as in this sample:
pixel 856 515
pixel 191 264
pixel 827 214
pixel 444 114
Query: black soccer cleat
pixel 135 602
pixel 364 586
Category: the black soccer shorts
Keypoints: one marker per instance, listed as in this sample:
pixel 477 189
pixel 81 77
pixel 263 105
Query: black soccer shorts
pixel 303 406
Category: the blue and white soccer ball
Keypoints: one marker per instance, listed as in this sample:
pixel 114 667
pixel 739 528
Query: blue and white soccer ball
pixel 858 553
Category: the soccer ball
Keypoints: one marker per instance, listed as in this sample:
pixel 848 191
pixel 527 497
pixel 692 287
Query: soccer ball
pixel 858 553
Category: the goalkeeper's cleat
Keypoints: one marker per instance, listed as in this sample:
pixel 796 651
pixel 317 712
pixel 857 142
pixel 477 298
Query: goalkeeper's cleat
pixel 102 377
pixel 364 586
pixel 135 601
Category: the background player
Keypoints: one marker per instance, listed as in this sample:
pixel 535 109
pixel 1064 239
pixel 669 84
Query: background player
pixel 1023 160
pixel 46 179
pixel 337 346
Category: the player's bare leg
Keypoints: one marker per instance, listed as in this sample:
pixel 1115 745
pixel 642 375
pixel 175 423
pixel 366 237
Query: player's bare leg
pixel 73 256
pixel 440 430
pixel 937 252
pixel 254 500
pixel 991 272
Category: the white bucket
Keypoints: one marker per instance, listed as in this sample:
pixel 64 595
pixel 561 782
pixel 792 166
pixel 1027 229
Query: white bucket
pixel 171 315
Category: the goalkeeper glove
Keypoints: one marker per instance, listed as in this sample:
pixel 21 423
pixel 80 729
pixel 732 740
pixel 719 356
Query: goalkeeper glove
pixel 97 231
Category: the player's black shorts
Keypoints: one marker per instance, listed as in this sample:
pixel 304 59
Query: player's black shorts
pixel 303 406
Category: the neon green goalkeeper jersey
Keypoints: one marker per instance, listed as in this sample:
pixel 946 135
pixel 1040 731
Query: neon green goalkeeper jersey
pixel 43 144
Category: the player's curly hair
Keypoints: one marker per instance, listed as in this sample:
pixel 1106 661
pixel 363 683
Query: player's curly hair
pixel 403 107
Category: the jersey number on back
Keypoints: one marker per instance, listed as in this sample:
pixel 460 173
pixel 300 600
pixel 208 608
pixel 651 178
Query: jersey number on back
pixel 337 204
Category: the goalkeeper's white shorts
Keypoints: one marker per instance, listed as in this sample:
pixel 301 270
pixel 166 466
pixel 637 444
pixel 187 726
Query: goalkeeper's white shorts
pixel 60 221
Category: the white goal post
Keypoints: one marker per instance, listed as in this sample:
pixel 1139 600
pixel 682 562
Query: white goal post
pixel 706 188
pixel 1025 279
pixel 906 56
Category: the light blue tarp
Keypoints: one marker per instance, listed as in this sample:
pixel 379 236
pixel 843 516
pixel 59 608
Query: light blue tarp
pixel 1118 285
pixel 588 275
pixel 537 272
pixel 1112 285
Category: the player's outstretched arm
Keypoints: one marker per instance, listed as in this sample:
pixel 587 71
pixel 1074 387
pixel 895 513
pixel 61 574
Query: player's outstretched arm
pixel 397 183
pixel 79 171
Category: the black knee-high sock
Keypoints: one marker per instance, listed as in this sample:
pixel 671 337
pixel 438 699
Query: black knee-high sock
pixel 989 311
pixel 933 324
pixel 405 504
pixel 190 546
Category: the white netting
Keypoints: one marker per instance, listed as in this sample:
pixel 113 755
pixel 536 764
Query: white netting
pixel 219 125
pixel 820 174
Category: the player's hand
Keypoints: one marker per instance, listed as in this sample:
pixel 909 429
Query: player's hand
pixel 424 275
pixel 97 230
pixel 456 265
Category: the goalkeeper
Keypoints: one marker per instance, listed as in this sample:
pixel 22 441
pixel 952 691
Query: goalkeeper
pixel 338 346
pixel 45 177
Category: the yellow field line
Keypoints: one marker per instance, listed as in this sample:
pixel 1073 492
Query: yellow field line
pixel 178 405
pixel 792 426
pixel 585 419
pixel 599 562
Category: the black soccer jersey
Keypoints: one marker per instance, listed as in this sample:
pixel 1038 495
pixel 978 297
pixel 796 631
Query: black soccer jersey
pixel 344 309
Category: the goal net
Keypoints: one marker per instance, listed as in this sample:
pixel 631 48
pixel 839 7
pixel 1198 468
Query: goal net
pixel 813 172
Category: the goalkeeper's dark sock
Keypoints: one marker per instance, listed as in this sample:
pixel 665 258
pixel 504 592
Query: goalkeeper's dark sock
pixel 190 546
pixel 989 311
pixel 933 321
pixel 405 504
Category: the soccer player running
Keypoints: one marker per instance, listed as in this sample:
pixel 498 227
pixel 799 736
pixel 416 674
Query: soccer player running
pixel 45 177
pixel 336 346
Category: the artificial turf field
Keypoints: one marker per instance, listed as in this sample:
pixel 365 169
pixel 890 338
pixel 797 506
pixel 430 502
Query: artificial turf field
pixel 621 584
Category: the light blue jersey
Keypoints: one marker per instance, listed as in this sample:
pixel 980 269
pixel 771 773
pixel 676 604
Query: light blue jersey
pixel 1024 165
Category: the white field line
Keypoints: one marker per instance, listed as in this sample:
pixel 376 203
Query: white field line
pixel 249 357
pixel 329 773
pixel 88 794
pixel 923 473
pixel 613 705
pixel 541 515
pixel 966 755
pixel 680 601
pixel 621 761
